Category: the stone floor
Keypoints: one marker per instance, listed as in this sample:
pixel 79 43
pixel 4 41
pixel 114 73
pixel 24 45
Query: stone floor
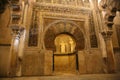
pixel 70 77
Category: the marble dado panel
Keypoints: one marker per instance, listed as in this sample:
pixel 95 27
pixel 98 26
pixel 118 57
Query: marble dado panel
pixel 33 63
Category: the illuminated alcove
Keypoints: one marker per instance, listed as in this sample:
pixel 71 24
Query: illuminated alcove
pixel 65 56
pixel 64 44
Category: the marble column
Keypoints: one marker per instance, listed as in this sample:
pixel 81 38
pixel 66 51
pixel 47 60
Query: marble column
pixel 14 58
pixel 109 49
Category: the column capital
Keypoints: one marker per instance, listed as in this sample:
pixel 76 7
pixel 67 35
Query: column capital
pixel 17 30
pixel 107 34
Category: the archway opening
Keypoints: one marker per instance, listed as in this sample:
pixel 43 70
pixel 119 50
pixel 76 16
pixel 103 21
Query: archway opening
pixel 65 57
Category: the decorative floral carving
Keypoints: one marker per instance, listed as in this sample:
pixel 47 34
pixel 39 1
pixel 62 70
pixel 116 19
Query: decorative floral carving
pixel 93 37
pixel 65 2
pixel 33 32
pixel 60 9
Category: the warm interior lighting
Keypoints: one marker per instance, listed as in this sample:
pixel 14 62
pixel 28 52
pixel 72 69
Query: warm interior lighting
pixel 99 1
pixel 65 44
pixel 16 42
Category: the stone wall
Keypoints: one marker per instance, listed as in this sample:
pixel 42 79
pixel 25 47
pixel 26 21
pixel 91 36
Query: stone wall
pixel 36 61
pixel 5 33
pixel 5 42
pixel 4 60
pixel 41 63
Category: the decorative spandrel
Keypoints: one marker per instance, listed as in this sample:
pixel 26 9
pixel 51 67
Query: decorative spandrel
pixel 33 31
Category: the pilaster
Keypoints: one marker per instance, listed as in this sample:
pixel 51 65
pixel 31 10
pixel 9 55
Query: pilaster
pixel 17 28
pixel 109 9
